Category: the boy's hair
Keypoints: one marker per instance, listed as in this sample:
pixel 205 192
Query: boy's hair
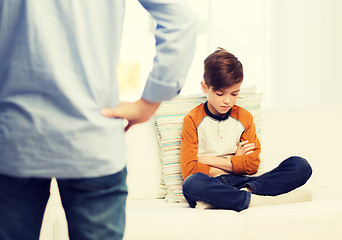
pixel 222 70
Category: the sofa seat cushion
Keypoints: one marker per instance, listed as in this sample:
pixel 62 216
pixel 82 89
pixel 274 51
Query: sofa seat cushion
pixel 157 219
pixel 319 219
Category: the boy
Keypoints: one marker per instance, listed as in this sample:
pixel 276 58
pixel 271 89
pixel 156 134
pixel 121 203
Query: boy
pixel 219 148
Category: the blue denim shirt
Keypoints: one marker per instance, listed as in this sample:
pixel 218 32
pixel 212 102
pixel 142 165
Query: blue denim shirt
pixel 58 70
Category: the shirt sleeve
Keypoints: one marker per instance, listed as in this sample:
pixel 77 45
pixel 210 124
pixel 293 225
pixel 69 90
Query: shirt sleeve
pixel 189 149
pixel 175 36
pixel 248 164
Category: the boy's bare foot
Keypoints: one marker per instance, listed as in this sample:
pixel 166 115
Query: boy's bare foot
pixel 203 205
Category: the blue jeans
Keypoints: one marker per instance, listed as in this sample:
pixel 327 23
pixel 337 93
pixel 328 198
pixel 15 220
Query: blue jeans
pixel 94 207
pixel 224 191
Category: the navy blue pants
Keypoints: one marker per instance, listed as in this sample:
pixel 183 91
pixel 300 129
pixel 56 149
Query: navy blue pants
pixel 94 207
pixel 224 191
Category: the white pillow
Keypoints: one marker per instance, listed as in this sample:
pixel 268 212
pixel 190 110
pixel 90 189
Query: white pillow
pixel 168 124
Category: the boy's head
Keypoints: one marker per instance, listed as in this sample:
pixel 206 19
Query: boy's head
pixel 222 70
pixel 223 77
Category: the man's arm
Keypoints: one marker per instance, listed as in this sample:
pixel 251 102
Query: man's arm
pixel 175 36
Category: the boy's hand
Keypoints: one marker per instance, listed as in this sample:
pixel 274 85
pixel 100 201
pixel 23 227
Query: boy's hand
pixel 134 112
pixel 245 148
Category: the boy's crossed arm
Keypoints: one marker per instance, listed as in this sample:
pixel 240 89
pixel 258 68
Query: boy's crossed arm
pixel 222 164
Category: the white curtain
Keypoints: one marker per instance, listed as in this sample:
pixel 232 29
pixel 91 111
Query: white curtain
pixel 303 52
pixel 291 49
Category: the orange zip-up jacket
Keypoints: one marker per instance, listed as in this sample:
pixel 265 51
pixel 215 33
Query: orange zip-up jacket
pixel 205 134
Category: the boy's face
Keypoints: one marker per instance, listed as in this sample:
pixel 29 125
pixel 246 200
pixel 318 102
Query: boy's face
pixel 220 101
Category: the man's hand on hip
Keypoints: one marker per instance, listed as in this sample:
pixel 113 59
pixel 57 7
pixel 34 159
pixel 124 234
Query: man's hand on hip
pixel 134 112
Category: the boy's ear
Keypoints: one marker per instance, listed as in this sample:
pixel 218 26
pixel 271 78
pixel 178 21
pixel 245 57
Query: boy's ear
pixel 204 87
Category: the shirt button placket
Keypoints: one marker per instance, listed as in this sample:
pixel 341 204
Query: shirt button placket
pixel 220 133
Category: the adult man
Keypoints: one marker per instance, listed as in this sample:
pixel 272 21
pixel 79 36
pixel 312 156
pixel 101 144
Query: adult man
pixel 57 89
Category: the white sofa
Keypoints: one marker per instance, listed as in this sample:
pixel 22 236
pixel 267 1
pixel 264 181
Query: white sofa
pixel 313 133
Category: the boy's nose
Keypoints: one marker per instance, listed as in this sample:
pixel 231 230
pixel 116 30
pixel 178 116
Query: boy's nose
pixel 226 100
